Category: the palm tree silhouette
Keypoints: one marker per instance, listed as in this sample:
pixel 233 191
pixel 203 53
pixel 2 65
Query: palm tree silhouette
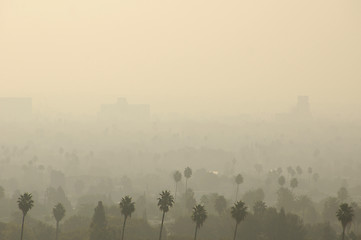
pixel 177 176
pixel 187 175
pixel 344 215
pixel 165 201
pixel 199 216
pixel 238 212
pixel 59 213
pixel 25 203
pixel 127 208
pixel 238 180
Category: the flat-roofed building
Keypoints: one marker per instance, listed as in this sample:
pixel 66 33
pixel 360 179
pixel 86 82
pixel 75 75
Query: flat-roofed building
pixel 123 111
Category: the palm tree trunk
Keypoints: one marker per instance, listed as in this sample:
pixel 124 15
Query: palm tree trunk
pixel 22 227
pixel 161 226
pixel 186 184
pixel 195 233
pixel 235 232
pixel 343 233
pixel 57 230
pixel 237 192
pixel 125 220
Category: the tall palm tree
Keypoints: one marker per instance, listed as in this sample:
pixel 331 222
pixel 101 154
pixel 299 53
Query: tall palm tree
pixel 199 216
pixel 177 176
pixel 345 215
pixel 187 175
pixel 59 213
pixel 239 180
pixel 165 201
pixel 238 212
pixel 25 203
pixel 127 208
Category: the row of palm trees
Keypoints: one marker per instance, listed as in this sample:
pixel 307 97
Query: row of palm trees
pixel 238 212
pixel 177 176
pixel 199 215
pixel 26 203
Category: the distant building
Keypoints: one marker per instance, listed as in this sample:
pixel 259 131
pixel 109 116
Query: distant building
pixel 15 109
pixel 123 111
pixel 302 111
pixel 302 108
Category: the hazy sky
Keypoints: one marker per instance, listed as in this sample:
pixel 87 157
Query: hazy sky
pixel 202 56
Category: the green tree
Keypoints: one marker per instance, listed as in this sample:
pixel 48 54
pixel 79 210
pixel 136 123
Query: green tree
pixel 98 226
pixel 342 194
pixel 187 175
pixel 330 206
pixel 220 204
pixel 189 200
pixel 25 203
pixel 345 215
pixel 294 183
pixel 281 181
pixel 239 180
pixel 259 208
pixel 165 202
pixel 199 216
pixel 285 199
pixel 127 208
pixel 252 196
pixel 291 171
pixel 238 212
pixel 302 203
pixel 177 176
pixel 59 213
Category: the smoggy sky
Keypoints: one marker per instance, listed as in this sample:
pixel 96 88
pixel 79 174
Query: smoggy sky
pixel 199 56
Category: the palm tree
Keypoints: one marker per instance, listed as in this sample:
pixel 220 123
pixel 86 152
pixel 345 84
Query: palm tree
pixel 59 213
pixel 127 208
pixel 165 201
pixel 344 215
pixel 177 177
pixel 238 180
pixel 187 175
pixel 199 216
pixel 238 212
pixel 25 203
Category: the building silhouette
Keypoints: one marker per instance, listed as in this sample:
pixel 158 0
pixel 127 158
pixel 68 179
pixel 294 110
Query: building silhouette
pixel 123 111
pixel 302 108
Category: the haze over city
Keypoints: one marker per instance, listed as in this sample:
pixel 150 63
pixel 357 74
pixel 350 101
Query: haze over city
pixel 180 120
pixel 203 57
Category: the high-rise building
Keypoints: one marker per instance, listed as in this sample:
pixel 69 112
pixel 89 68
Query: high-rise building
pixel 303 106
